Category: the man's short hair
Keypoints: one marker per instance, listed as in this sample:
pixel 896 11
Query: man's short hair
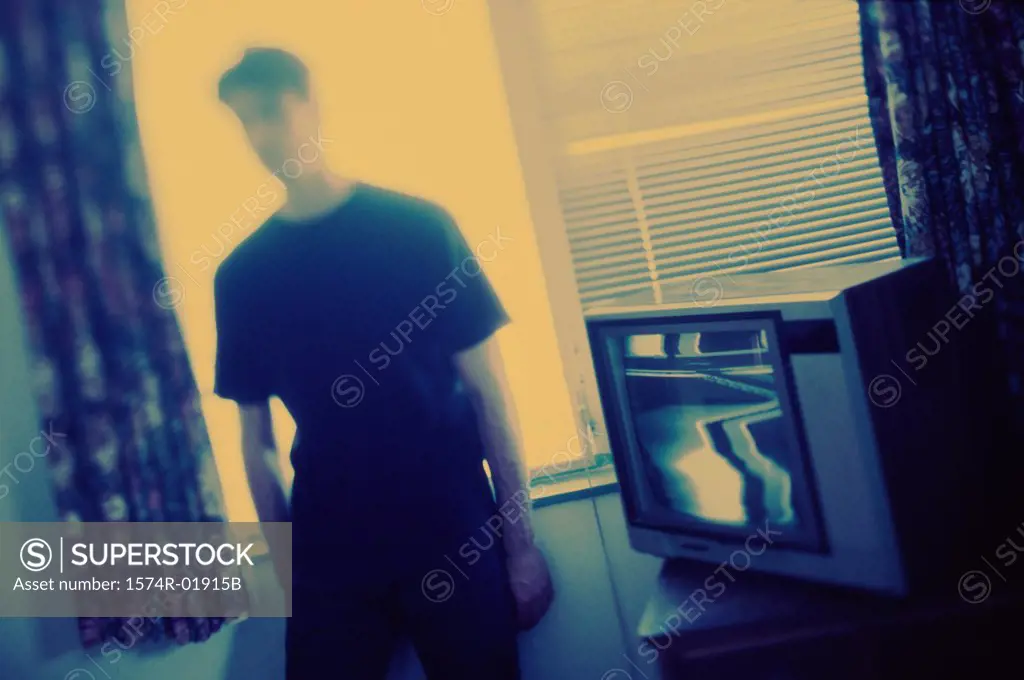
pixel 268 70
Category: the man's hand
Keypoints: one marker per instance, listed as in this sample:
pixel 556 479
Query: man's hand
pixel 283 572
pixel 282 567
pixel 531 585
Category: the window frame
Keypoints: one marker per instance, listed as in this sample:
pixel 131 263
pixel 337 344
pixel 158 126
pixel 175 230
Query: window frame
pixel 514 28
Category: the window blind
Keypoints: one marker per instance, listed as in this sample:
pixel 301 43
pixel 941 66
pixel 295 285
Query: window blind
pixel 720 136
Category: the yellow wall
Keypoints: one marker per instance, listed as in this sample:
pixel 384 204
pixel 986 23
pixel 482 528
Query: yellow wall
pixel 412 97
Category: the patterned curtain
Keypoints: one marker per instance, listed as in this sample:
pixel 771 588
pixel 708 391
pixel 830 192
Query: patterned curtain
pixel 945 83
pixel 109 365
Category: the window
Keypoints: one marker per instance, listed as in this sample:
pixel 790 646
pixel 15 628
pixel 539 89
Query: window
pixel 705 136
pixel 729 135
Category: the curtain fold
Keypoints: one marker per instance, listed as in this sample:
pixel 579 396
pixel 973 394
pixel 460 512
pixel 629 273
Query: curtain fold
pixel 945 85
pixel 109 365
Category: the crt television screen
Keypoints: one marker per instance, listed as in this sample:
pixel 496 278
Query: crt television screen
pixel 717 446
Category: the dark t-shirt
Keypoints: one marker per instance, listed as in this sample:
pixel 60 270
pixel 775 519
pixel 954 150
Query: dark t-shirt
pixel 352 318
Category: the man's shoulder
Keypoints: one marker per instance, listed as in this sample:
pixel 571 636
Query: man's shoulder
pixel 406 207
pixel 249 254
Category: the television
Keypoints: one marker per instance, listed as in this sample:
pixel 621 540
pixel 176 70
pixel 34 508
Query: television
pixel 823 408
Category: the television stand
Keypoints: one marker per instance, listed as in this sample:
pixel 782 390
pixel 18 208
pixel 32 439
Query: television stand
pixel 763 627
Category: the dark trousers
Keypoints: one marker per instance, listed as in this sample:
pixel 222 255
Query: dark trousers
pixel 460 620
pixel 439 581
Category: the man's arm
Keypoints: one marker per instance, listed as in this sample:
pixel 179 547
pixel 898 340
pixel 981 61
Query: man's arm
pixel 483 374
pixel 465 332
pixel 263 470
pixel 240 375
pixel 262 466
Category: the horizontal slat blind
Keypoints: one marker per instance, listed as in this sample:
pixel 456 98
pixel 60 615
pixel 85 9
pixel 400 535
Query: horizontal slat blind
pixel 720 136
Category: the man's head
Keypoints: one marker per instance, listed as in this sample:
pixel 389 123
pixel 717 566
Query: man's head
pixel 269 92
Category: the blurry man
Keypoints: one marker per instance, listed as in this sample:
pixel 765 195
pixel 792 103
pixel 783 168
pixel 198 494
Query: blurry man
pixel 366 312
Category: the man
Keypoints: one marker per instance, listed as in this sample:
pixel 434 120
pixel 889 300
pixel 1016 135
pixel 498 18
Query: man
pixel 366 312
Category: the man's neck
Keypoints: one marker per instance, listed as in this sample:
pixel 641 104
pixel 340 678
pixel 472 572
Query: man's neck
pixel 317 194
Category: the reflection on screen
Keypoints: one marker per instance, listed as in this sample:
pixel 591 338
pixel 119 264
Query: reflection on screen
pixel 710 425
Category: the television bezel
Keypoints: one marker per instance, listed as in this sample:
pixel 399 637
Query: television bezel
pixel 600 330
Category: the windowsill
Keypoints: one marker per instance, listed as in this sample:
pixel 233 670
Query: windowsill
pixel 575 485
